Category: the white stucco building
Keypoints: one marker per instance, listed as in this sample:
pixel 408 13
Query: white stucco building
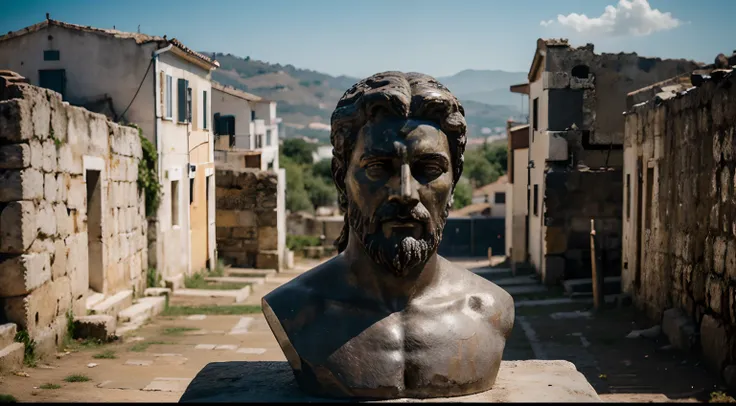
pixel 245 123
pixel 158 84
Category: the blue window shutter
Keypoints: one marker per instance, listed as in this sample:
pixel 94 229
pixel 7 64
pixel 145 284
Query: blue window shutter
pixel 181 105
pixel 204 110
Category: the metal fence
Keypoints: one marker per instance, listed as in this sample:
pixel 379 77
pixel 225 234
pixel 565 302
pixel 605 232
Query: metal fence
pixel 471 237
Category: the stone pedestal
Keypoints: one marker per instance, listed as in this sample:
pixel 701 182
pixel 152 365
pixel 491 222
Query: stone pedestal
pixel 273 381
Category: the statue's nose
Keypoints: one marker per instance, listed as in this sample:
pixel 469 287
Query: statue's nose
pixel 407 192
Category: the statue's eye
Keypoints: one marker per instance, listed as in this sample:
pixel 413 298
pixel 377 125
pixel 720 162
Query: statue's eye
pixel 376 169
pixel 429 171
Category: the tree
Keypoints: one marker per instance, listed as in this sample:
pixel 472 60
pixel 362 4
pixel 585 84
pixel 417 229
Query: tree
pixel 320 192
pixel 478 169
pixel 323 169
pixel 298 150
pixel 463 194
pixel 297 198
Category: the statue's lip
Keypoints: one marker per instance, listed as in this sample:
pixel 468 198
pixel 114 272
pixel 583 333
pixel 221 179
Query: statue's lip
pixel 403 223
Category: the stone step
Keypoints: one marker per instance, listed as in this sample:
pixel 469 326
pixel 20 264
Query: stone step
pixel 131 325
pixel 157 292
pixel 236 279
pixel 146 307
pixel 7 334
pixel 115 303
pixel 515 281
pixel 238 295
pixel 249 272
pixel 608 299
pixel 11 357
pixel 98 326
pixel 521 290
pixel 94 299
pixel 611 285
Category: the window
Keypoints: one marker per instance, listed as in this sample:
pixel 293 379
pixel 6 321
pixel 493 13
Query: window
pixel 189 104
pixel 169 97
pixel 224 125
pixel 204 110
pixel 268 137
pixel 628 196
pixel 259 141
pixel 191 190
pixel 580 72
pixel 174 202
pixel 182 95
pixel 535 115
pixel 51 55
pixel 500 198
pixel 53 79
pixel 252 115
pixel 536 200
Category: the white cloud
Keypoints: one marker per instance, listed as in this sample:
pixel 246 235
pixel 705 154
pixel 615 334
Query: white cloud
pixel 629 17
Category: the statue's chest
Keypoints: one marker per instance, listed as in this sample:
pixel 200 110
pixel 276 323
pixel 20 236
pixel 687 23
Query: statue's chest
pixel 414 351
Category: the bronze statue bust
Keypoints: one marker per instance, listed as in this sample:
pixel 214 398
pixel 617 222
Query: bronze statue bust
pixel 387 317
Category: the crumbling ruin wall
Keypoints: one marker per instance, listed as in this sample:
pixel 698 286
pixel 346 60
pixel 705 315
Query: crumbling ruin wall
pixel 594 87
pixel 47 149
pixel 681 159
pixel 247 217
pixel 572 199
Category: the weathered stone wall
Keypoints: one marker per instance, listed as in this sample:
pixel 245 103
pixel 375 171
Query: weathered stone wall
pixel 680 245
pixel 572 199
pixel 46 147
pixel 600 93
pixel 247 218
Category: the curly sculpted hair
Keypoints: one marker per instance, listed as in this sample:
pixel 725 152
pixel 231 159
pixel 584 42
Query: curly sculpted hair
pixel 407 95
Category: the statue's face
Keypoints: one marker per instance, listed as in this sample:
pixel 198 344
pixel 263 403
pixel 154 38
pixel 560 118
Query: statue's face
pixel 399 185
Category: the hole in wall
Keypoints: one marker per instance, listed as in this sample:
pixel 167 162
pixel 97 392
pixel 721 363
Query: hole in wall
pixel 580 71
pixel 36 317
pixel 56 339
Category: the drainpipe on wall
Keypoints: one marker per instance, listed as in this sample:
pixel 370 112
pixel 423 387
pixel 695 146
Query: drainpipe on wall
pixel 156 139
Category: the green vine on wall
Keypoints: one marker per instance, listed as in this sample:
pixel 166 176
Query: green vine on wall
pixel 147 174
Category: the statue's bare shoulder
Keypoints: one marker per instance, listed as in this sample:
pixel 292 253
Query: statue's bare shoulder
pixel 482 296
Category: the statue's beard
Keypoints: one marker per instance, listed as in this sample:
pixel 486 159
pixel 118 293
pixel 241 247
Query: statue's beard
pixel 399 254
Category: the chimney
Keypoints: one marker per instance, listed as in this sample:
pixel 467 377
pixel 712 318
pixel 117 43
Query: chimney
pixel 47 16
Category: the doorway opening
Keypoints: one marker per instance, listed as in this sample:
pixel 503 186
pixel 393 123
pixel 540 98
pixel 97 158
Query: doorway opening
pixel 94 231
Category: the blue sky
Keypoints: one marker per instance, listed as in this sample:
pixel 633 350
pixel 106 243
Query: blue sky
pixel 437 37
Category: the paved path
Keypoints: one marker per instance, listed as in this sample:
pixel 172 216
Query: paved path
pixel 157 362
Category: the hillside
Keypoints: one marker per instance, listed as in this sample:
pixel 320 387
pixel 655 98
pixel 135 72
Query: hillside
pixel 307 96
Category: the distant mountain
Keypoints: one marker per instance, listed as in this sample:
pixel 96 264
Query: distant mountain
pixel 485 86
pixel 306 96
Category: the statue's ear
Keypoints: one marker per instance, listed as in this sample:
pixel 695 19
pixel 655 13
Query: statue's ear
pixel 338 175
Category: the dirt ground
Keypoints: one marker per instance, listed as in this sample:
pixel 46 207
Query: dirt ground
pixel 156 362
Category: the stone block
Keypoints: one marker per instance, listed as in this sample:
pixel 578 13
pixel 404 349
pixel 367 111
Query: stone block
pixel 18 227
pixel 15 156
pixel 679 329
pixel 11 357
pixel 16 123
pixel 36 154
pixel 21 274
pixel 59 120
pixel 49 339
pixel 234 199
pixel 49 156
pixel 268 238
pixel 77 196
pixel 267 218
pixel 698 283
pixel 77 264
pixel 555 239
pixel 98 134
pixel 50 187
pixel 99 326
pixel 555 80
pixel 63 293
pixel 719 255
pixel 59 259
pixel 245 233
pixel 714 343
pixel 33 311
pixel 267 260
pixel 554 270
pixel 714 289
pixel 63 181
pixel 64 222
pixel 273 381
pixel 46 219
pixel 78 128
pixel 24 184
pixel 66 161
